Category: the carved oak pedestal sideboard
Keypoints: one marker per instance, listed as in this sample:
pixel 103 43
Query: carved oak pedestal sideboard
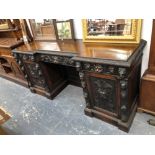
pixel 108 74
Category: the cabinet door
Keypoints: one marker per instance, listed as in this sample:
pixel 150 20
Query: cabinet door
pixel 103 92
pixel 35 74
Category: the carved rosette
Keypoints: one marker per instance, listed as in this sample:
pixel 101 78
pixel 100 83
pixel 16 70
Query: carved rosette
pixel 124 100
pixel 122 72
pixel 93 67
pixel 64 60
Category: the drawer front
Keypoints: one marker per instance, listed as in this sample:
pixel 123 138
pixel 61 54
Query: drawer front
pixel 105 69
pixel 103 92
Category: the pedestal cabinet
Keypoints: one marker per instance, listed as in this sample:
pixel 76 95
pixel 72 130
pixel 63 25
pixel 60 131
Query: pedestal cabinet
pixel 111 87
pixel 47 73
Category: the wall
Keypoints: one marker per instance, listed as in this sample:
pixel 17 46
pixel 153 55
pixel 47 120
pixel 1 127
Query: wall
pixel 146 35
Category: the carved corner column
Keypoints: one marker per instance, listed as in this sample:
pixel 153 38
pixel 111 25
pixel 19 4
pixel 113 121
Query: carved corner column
pixel 124 110
pixel 83 84
pixel 124 100
pixel 21 65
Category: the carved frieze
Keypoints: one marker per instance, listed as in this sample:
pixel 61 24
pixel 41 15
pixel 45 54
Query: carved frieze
pixel 104 69
pixel 64 60
pixel 26 57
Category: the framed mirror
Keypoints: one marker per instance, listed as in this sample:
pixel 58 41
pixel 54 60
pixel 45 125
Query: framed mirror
pixel 4 24
pixel 52 29
pixel 43 29
pixel 11 28
pixel 112 30
pixel 9 24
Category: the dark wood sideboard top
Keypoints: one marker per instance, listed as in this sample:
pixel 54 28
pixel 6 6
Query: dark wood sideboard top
pixel 120 52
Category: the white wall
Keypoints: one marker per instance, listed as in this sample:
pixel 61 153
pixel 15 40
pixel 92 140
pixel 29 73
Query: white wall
pixel 146 35
pixel 78 28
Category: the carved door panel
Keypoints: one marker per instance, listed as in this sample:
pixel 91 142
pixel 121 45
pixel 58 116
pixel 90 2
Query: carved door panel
pixel 103 92
pixel 35 74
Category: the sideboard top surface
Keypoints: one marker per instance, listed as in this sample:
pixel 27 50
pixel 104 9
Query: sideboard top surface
pixel 85 50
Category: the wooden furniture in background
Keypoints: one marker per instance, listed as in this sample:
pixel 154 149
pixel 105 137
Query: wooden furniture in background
pixel 9 69
pixel 10 39
pixel 26 30
pixel 147 93
pixel 43 30
pixel 47 29
pixel 109 75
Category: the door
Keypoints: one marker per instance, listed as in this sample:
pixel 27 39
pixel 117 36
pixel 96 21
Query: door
pixel 103 92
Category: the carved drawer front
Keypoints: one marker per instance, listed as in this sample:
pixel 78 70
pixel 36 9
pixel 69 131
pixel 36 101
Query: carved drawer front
pixel 102 92
pixel 63 60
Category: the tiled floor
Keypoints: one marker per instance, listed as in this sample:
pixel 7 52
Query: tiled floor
pixel 34 114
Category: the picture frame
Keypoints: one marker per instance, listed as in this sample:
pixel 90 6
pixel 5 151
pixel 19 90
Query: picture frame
pixel 112 30
pixel 64 29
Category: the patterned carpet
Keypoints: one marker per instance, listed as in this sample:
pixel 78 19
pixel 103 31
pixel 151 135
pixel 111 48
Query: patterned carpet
pixel 32 114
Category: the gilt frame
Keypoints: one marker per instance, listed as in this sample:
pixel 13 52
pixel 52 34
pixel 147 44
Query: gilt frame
pixel 133 38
